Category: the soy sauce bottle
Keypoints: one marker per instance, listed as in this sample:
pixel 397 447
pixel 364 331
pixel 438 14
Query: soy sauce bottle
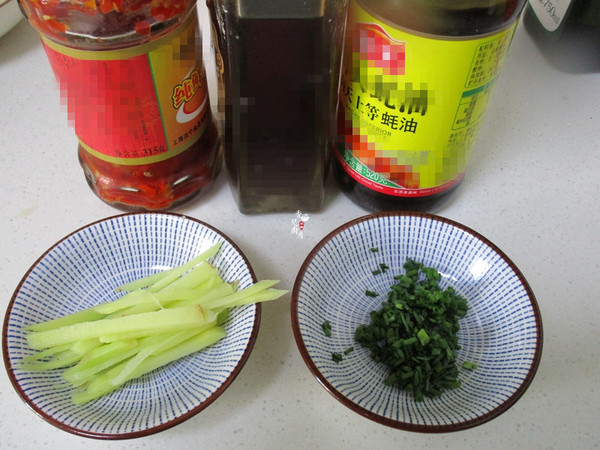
pixel 278 65
pixel 417 78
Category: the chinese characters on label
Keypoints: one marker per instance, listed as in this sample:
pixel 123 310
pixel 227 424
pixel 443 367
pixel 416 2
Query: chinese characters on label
pixel 487 61
pixel 193 130
pixel 184 91
pixel 380 108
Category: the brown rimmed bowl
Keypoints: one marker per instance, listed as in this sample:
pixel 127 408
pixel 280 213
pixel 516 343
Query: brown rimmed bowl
pixel 501 332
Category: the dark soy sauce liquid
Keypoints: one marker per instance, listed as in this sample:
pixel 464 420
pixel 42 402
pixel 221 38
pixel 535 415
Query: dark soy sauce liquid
pixel 280 91
pixel 281 114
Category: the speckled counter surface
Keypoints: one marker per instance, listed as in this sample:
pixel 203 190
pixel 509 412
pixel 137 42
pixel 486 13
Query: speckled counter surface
pixel 532 189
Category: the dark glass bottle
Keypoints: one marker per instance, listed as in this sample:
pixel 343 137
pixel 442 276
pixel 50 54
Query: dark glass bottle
pixel 405 136
pixel 567 32
pixel 278 70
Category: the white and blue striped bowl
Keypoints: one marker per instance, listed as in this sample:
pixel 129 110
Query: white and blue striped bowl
pixel 502 331
pixel 82 270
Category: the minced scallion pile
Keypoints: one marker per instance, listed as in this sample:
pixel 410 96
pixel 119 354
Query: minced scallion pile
pixel 414 333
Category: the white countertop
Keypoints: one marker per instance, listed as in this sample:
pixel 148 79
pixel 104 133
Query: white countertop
pixel 532 189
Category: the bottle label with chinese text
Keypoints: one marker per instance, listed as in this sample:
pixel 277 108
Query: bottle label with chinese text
pixel 411 105
pixel 137 105
pixel 550 13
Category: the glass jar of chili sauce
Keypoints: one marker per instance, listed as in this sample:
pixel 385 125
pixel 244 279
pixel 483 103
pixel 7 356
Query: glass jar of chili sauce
pixel 131 75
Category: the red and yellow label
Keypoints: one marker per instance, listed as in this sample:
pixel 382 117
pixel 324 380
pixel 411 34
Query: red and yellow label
pixel 412 105
pixel 136 105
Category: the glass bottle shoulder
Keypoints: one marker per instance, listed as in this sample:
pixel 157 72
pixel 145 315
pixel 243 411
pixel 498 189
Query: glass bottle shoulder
pixel 446 18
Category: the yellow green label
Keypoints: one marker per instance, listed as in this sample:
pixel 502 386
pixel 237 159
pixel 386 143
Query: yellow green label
pixel 412 105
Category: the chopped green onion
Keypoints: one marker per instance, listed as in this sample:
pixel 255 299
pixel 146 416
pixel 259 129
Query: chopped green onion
pixel 337 357
pixel 423 337
pixel 371 293
pixel 326 326
pixel 414 332
pixel 469 365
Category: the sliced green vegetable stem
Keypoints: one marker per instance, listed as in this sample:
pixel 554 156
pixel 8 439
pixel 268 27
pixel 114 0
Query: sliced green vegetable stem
pixel 160 318
pixel 242 295
pixel 85 315
pixel 102 384
pixel 176 272
pixel 140 324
